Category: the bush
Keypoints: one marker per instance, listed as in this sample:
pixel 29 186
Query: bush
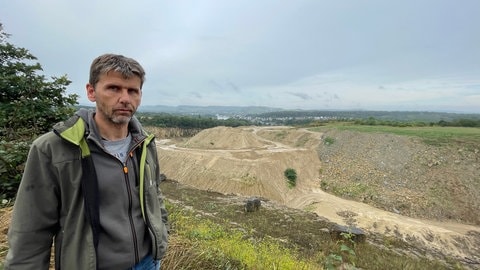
pixel 12 158
pixel 291 176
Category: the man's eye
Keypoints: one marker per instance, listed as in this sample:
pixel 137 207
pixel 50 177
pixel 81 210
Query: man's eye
pixel 133 91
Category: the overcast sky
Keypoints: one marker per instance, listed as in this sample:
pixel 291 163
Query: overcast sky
pixel 298 54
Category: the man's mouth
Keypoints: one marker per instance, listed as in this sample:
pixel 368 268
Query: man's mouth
pixel 123 111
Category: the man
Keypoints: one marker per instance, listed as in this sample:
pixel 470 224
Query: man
pixel 92 184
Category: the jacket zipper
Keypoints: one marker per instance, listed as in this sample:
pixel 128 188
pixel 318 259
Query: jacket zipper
pixel 130 216
pixel 130 206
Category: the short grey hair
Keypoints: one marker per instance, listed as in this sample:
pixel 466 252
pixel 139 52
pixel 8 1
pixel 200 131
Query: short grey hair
pixel 126 66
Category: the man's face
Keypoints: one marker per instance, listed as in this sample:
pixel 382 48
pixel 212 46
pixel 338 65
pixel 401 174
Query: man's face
pixel 117 98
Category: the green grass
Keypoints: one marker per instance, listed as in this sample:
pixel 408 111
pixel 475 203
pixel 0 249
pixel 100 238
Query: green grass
pixel 328 141
pixel 225 237
pixel 219 247
pixel 433 135
pixel 352 190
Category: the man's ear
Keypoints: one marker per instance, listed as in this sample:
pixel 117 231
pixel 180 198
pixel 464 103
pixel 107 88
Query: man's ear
pixel 91 92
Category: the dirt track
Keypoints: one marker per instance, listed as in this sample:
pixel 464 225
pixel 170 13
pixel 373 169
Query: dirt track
pixel 251 160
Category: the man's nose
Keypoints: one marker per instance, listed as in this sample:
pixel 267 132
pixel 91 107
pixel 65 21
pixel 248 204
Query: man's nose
pixel 124 96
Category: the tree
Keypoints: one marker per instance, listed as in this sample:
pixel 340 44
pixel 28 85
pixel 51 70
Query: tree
pixel 29 105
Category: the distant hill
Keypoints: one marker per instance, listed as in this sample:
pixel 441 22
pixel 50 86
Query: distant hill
pixel 406 116
pixel 209 110
pixel 278 113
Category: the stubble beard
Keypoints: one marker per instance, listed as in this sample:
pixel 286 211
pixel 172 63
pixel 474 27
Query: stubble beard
pixel 117 120
pixel 120 119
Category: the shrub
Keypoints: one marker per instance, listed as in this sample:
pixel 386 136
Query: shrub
pixel 12 158
pixel 345 257
pixel 291 176
pixel 328 141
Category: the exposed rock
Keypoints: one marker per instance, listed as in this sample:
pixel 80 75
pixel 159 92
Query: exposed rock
pixel 337 232
pixel 252 204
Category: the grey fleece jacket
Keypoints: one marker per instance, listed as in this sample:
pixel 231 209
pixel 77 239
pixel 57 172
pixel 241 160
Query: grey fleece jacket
pixel 51 202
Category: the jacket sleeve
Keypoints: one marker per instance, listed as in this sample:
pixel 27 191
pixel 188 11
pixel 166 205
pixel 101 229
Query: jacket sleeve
pixel 35 215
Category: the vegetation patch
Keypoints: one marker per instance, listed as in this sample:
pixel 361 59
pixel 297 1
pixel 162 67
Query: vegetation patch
pixel 291 176
pixel 350 190
pixel 249 179
pixel 345 256
pixel 432 135
pixel 275 237
pixel 280 135
pixel 219 247
pixel 328 141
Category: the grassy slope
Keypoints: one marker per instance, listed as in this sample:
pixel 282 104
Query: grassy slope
pixel 224 235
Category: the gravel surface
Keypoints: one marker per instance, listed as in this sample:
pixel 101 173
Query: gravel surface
pixel 403 175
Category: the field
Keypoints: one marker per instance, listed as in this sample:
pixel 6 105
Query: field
pixel 434 135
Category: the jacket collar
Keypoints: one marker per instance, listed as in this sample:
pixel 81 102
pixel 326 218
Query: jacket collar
pixel 83 125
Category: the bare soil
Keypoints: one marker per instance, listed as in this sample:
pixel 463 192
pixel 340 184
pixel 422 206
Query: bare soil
pixel 387 185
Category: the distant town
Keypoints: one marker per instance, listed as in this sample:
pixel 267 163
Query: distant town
pixel 255 115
